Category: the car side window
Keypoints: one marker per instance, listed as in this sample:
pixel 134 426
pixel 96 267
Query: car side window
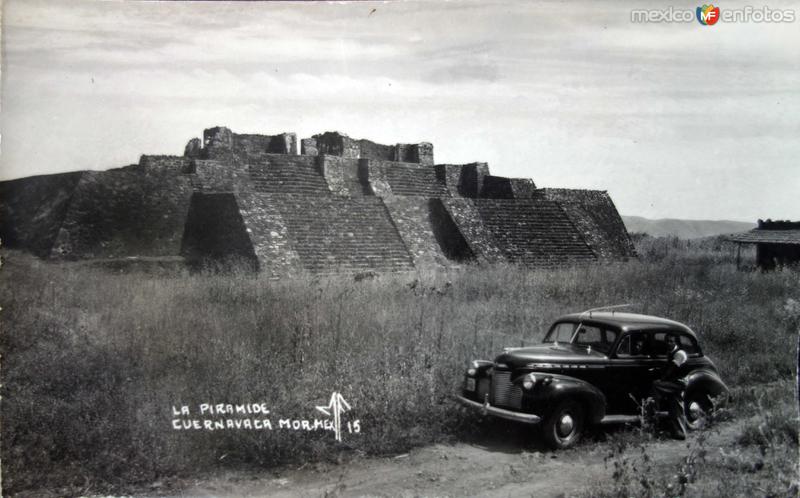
pixel 685 342
pixel 659 345
pixel 633 345
pixel 596 337
pixel 624 348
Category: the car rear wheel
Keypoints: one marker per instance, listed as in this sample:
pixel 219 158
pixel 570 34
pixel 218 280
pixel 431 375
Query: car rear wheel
pixel 697 407
pixel 563 427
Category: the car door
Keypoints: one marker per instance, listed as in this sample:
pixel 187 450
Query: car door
pixel 632 369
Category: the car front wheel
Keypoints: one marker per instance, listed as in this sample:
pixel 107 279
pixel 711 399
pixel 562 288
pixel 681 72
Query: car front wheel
pixel 563 427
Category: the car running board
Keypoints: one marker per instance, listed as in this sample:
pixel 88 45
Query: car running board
pixel 628 419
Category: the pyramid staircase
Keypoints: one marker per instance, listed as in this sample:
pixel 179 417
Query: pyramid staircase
pixel 533 232
pixel 415 180
pixel 335 234
pixel 286 174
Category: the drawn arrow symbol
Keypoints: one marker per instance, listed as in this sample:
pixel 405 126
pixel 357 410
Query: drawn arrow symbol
pixel 336 407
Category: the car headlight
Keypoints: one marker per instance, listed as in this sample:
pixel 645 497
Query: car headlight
pixel 529 381
pixel 471 372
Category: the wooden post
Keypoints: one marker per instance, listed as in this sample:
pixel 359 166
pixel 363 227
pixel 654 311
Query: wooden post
pixel 738 254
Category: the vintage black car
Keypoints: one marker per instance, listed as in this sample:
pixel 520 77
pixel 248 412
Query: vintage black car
pixel 592 367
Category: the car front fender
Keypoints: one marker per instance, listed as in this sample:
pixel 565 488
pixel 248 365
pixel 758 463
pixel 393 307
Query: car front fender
pixel 551 389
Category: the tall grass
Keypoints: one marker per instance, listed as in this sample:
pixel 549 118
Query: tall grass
pixel 93 362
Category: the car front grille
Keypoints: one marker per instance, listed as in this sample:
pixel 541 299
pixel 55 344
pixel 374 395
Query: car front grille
pixel 504 393
pixel 483 389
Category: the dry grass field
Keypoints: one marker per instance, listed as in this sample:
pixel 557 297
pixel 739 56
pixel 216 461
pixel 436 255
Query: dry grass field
pixel 93 362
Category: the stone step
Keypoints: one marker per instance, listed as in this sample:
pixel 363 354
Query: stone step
pixel 287 174
pixel 335 232
pixel 317 267
pixel 532 231
pixel 327 258
pixel 414 181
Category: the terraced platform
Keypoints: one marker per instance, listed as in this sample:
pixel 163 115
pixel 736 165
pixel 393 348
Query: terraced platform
pixel 343 205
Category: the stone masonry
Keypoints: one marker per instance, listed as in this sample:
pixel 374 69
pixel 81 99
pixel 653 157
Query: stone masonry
pixel 340 205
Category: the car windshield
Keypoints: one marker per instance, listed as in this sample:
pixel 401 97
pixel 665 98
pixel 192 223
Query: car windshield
pixel 582 334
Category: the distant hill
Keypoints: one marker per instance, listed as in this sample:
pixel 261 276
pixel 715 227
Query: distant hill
pixel 684 229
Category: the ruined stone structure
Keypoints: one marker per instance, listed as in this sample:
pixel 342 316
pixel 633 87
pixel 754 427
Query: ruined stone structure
pixel 340 205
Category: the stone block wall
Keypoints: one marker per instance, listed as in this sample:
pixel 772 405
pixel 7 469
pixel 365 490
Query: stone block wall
pixel 478 238
pixel 209 175
pixel 523 188
pixel 424 153
pixel 165 164
pixel 412 217
pixel 215 234
pixel 193 149
pixel 375 175
pixel 269 234
pixel 499 187
pixel 217 141
pixel 452 242
pixel 402 153
pixel 123 213
pixel 343 175
pixel 450 175
pixel 465 180
pixel 496 187
pixel 337 144
pixel 251 144
pixel 33 209
pixel 421 153
pixel 256 145
pixel 221 143
pixel 308 147
pixel 284 143
pixel 372 150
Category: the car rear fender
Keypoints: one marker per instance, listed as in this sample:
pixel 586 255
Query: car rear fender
pixel 555 388
pixel 706 381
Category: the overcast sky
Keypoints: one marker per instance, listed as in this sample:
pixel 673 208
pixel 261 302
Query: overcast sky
pixel 674 120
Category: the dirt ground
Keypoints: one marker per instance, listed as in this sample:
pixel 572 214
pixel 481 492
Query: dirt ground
pixel 499 464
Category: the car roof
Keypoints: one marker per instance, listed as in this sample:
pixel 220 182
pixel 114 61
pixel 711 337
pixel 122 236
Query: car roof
pixel 627 321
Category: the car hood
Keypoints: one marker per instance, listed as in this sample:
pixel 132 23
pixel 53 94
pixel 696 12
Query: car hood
pixel 549 353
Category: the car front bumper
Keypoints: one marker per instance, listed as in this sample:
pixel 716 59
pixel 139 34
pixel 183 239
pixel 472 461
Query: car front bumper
pixel 487 409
